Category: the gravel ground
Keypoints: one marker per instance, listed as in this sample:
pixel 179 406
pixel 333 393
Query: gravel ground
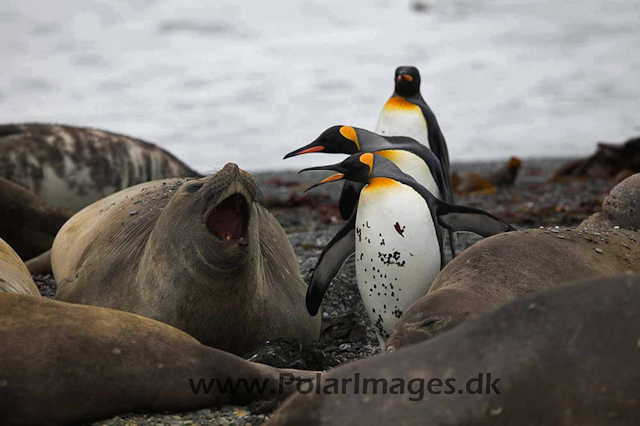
pixel 312 219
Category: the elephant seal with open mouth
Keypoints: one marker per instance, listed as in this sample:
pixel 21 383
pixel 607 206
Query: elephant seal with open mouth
pixel 201 255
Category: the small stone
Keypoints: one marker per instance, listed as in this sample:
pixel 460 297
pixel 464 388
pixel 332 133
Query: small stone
pixel 616 227
pixel 532 306
pixel 561 236
pixel 496 411
pixel 555 231
pixel 599 250
pixel 345 347
pixel 133 212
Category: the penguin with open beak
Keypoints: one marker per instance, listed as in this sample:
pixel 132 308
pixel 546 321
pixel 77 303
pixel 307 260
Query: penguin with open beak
pixel 411 157
pixel 396 236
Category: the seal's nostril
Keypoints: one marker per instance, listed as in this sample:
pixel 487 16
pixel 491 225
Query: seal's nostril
pixel 231 168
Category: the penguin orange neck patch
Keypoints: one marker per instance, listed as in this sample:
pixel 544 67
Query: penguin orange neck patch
pixel 398 102
pixel 350 133
pixel 368 160
pixel 380 183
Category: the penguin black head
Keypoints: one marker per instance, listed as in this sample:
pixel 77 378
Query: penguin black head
pixel 407 81
pixel 356 168
pixel 334 140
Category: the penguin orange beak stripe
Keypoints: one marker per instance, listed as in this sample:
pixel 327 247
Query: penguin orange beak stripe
pixel 405 77
pixel 312 149
pixel 304 150
pixel 332 178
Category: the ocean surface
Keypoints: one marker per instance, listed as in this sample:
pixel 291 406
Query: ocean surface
pixel 248 81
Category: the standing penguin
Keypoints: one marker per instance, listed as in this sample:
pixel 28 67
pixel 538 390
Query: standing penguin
pixel 395 236
pixel 407 114
pixel 411 157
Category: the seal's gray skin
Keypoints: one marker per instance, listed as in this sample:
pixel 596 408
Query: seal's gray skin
pixel 72 167
pixel 201 255
pixel 506 267
pixel 27 223
pixel 620 208
pixel 63 364
pixel 567 356
pixel 14 276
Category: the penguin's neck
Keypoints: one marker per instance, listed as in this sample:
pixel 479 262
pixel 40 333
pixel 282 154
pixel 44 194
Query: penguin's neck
pixel 412 165
pixel 399 117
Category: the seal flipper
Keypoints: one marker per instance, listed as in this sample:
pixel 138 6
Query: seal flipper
pixel 349 198
pixel 461 218
pixel 341 246
pixel 41 264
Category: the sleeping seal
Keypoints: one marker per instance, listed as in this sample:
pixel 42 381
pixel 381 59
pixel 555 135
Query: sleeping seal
pixel 64 364
pixel 72 167
pixel 567 356
pixel 201 255
pixel 506 267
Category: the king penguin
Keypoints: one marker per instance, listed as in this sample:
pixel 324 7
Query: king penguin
pixel 396 238
pixel 407 114
pixel 411 157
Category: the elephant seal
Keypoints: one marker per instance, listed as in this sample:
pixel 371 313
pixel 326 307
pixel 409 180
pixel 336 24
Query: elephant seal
pixel 500 269
pixel 72 167
pixel 27 223
pixel 567 356
pixel 14 276
pixel 63 364
pixel 620 208
pixel 201 255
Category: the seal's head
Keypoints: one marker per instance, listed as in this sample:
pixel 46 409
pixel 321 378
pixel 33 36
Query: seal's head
pixel 433 314
pixel 212 217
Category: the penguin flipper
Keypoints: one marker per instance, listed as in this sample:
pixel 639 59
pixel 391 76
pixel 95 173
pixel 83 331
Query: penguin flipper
pixel 341 246
pixel 349 198
pixel 460 218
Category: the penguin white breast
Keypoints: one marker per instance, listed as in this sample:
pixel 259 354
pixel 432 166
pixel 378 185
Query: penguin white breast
pixel 414 166
pixel 397 251
pixel 402 118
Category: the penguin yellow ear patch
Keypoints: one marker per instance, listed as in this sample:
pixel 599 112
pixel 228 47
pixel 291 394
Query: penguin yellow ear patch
pixel 368 160
pixel 350 133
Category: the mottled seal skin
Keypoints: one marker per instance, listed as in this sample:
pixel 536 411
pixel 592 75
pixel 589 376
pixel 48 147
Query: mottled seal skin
pixel 620 208
pixel 567 356
pixel 72 167
pixel 155 250
pixel 509 266
pixel 64 364
pixel 14 275
pixel 27 223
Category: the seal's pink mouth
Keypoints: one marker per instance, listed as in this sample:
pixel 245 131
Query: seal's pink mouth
pixel 229 220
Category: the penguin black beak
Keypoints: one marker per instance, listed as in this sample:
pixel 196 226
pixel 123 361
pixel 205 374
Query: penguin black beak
pixel 312 147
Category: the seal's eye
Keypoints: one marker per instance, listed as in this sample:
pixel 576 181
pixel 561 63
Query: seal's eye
pixel 429 322
pixel 193 187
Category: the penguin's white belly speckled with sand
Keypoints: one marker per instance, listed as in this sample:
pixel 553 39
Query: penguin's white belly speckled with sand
pixel 397 251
